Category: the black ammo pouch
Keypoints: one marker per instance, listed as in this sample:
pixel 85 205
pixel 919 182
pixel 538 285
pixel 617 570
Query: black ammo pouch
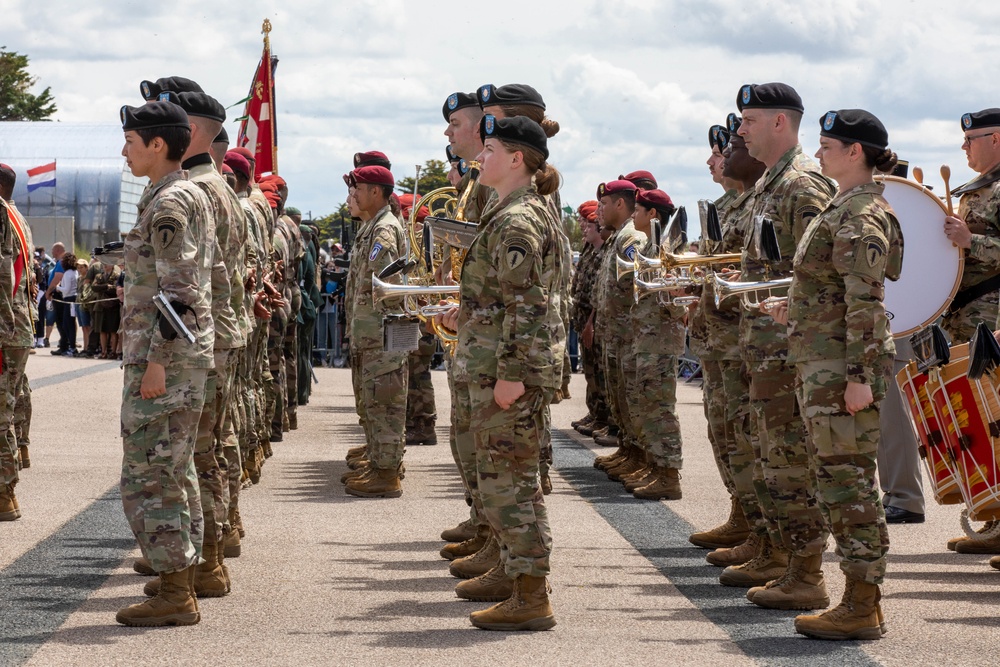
pixel 167 330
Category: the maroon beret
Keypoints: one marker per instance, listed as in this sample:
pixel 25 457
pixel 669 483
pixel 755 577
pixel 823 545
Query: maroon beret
pixel 640 175
pixel 245 152
pixel 375 175
pixel 615 187
pixel 226 169
pixel 237 163
pixel 371 158
pixel 657 199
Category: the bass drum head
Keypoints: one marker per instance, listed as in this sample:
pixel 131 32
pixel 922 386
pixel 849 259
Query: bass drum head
pixel 932 265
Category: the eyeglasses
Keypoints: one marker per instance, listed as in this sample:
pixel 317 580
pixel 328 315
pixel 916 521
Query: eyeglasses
pixel 969 139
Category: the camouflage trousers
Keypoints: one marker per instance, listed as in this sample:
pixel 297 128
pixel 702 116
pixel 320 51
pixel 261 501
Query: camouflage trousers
pixel 209 459
pixel 232 420
pixel 787 495
pixel 383 387
pixel 159 485
pixel 465 450
pixel 961 325
pixel 420 408
pixel 743 457
pixel 720 429
pixel 278 386
pixel 653 406
pixel 305 335
pixel 358 386
pixel 593 370
pixel 22 410
pixel 617 392
pixel 290 354
pixel 507 463
pixel 11 371
pixel 258 377
pixel 843 450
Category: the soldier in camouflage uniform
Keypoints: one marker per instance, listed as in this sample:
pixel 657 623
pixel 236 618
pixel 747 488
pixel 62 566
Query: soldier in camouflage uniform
pixel 598 412
pixel 789 194
pixel 842 348
pixel 976 228
pixel 741 456
pixel 613 303
pixel 290 349
pixel 16 335
pixel 658 340
pixel 383 375
pixel 713 333
pixel 171 250
pixel 281 255
pixel 509 274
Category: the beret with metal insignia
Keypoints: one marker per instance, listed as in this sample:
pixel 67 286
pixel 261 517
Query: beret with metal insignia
pixel 733 123
pixel 854 125
pixel 718 137
pixel 153 114
pixel 517 130
pixel 978 119
pixel 463 167
pixel 615 187
pixel 373 174
pixel 768 96
pixel 511 94
pixel 458 101
pixel 200 104
pixel 452 158
pixel 371 158
pixel 640 178
pixel 151 89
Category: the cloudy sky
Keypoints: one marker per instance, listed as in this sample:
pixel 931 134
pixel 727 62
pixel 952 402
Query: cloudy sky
pixel 635 84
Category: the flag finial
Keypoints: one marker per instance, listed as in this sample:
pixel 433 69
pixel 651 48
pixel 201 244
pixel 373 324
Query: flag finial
pixel 266 28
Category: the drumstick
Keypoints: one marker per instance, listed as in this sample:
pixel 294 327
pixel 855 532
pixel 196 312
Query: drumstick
pixel 918 175
pixel 946 176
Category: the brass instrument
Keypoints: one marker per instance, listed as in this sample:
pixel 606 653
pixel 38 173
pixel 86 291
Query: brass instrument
pixel 670 261
pixel 725 289
pixel 382 290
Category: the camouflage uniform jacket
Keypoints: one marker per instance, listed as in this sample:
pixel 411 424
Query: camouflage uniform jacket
pixel 981 210
pixel 230 231
pixel 835 306
pixel 255 256
pixel 614 298
pixel 22 306
pixel 265 214
pixel 281 252
pixel 583 286
pixel 715 331
pixel 790 194
pixel 504 324
pixel 170 249
pixel 8 248
pixel 658 329
pixel 378 243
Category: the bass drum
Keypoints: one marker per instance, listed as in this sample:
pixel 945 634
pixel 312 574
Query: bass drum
pixel 932 265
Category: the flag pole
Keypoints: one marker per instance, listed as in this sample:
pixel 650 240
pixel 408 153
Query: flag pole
pixel 266 30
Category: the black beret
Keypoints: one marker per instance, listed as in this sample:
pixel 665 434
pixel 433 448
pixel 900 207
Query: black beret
pixel 718 137
pixel 768 96
pixel 451 154
pixel 222 137
pixel 151 89
pixel 854 125
pixel 511 94
pixel 517 130
pixel 153 114
pixel 733 123
pixel 978 119
pixel 458 101
pixel 197 104
pixel 463 167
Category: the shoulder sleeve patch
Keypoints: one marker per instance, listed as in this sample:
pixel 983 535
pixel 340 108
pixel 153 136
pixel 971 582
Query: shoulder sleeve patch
pixel 166 237
pixel 376 249
pixel 630 252
pixel 514 252
pixel 809 212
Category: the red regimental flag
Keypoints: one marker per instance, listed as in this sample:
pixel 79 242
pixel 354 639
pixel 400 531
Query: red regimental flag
pixel 258 131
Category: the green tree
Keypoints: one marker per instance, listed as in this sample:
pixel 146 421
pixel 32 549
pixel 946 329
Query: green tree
pixel 571 225
pixel 16 100
pixel 330 225
pixel 433 175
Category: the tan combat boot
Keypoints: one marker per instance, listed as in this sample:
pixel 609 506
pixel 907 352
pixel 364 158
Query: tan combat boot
pixel 209 576
pixel 422 433
pixel 236 521
pixel 736 555
pixel 143 567
pixel 527 608
pixel 612 459
pixel 591 428
pixel 801 587
pixel 612 437
pixel 9 509
pixel 358 462
pixel 769 563
pixel 232 546
pixel 478 563
pixel 173 604
pixel 666 485
pixel 645 470
pixel 463 531
pixel 355 452
pixel 466 547
pixel 730 534
pixel 635 460
pixel 995 562
pixel 987 546
pixel 251 466
pixel 952 544
pixel 382 483
pixel 856 617
pixel 354 473
pixel 545 482
pixel 25 458
pixel 494 586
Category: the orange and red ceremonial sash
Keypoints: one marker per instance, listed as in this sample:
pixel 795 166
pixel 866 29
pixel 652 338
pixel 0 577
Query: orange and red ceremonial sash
pixel 18 224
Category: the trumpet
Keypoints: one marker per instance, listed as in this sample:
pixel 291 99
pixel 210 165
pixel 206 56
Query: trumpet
pixel 382 290
pixel 623 267
pixel 670 261
pixel 725 289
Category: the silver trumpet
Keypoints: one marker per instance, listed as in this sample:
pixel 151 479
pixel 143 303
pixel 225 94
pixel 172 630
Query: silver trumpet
pixel 624 267
pixel 725 289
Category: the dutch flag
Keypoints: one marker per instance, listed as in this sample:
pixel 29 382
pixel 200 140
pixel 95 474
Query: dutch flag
pixel 42 177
